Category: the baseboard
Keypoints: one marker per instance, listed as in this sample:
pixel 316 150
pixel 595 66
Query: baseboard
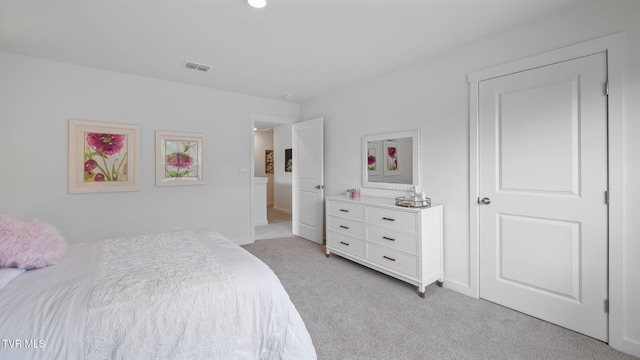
pixel 280 210
pixel 261 222
pixel 626 345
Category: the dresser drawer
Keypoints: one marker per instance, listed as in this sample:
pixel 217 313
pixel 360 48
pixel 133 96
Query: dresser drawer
pixel 393 239
pixel 346 210
pixel 346 244
pixel 393 259
pixel 345 227
pixel 392 219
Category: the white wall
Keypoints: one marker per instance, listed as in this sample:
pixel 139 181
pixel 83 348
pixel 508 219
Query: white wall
pixel 38 98
pixel 282 180
pixel 263 140
pixel 433 96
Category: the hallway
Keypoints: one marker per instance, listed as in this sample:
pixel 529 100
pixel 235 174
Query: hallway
pixel 279 226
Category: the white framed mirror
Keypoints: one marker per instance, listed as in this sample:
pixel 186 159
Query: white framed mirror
pixel 391 160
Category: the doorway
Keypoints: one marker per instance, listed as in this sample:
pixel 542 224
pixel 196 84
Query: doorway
pixel 278 226
pixel 271 188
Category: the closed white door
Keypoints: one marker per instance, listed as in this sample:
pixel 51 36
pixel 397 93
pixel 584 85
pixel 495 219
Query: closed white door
pixel 543 178
pixel 308 180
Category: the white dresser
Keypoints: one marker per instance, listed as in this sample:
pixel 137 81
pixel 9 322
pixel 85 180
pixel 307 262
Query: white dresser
pixel 402 242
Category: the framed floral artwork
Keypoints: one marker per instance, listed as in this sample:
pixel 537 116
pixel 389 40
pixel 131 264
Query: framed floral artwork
pixel 103 157
pixel 391 165
pixel 374 160
pixel 179 158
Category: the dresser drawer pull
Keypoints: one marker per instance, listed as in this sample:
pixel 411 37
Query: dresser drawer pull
pixel 388 238
pixel 344 227
pixel 388 219
pixel 389 258
pixel 344 243
pixel 344 210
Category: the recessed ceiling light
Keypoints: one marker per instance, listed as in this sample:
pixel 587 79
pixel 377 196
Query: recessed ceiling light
pixel 288 95
pixel 259 4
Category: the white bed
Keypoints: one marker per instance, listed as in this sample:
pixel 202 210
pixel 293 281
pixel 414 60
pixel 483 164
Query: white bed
pixel 180 295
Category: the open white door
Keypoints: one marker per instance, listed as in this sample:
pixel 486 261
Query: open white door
pixel 308 180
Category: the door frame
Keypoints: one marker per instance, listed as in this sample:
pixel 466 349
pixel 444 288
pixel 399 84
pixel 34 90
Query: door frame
pixel 613 45
pixel 255 117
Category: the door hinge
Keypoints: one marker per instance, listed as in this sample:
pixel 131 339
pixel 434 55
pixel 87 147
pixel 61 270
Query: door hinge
pixel 606 306
pixel 606 197
pixel 606 88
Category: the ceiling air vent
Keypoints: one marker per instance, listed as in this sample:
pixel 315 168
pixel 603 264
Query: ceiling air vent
pixel 195 66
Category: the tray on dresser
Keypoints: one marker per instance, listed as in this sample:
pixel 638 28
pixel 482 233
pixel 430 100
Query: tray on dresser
pixel 409 201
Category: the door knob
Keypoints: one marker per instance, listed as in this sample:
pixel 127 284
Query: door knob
pixel 319 186
pixel 485 201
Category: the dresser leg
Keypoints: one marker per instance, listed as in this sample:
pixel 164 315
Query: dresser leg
pixel 421 290
pixel 439 283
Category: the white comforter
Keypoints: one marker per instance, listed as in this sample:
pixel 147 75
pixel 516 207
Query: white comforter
pixel 181 295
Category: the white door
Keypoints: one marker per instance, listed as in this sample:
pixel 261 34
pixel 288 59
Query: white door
pixel 543 172
pixel 308 181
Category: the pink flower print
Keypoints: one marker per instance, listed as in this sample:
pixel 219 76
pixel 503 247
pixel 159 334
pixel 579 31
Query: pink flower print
pixel 180 160
pixel 90 165
pixel 371 160
pixel 107 144
pixel 99 177
pixel 391 151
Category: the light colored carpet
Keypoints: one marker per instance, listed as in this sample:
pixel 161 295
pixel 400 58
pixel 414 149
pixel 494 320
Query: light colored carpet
pixel 353 312
pixel 279 226
pixel 275 230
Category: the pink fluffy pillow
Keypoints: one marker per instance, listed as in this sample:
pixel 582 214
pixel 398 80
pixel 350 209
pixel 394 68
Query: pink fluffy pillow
pixel 29 244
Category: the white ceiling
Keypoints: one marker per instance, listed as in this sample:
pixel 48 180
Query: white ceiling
pixel 304 47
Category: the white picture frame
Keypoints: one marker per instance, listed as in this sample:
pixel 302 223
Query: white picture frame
pixel 374 158
pixel 179 158
pixel 390 164
pixel 103 157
